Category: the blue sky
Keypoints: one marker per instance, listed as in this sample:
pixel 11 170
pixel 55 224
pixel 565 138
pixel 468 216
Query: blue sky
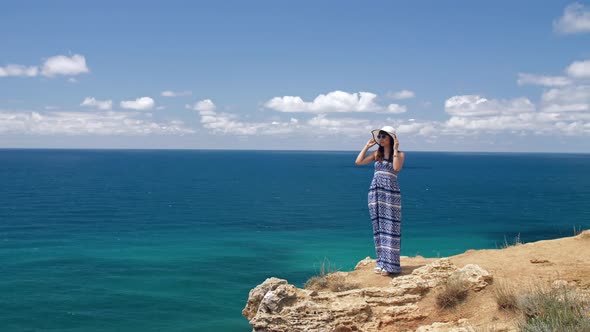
pixel 311 75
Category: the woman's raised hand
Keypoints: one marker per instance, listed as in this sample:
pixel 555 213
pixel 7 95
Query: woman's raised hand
pixel 371 142
pixel 396 144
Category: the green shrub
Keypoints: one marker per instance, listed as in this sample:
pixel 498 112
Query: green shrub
pixel 554 310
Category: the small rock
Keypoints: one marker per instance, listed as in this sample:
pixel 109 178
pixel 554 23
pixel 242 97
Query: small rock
pixel 365 262
pixel 257 294
pixel 273 300
pixel 473 276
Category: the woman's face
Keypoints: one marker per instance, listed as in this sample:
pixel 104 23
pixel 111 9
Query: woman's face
pixel 384 138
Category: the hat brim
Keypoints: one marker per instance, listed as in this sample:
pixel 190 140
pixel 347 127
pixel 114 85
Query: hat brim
pixel 376 132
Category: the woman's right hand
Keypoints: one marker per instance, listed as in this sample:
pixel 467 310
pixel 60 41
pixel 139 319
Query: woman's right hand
pixel 371 142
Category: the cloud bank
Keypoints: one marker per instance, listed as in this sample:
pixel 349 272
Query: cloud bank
pixel 53 66
pixel 87 123
pixel 333 102
pixel 575 19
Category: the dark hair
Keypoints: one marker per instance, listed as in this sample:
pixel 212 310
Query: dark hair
pixel 381 150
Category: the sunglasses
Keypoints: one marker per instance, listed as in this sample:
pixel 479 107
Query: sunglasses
pixel 380 136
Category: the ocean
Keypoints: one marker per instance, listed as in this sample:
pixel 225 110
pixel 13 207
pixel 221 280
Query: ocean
pixel 173 240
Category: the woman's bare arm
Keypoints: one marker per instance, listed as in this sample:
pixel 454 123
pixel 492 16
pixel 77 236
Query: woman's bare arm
pixel 398 157
pixel 398 161
pixel 361 159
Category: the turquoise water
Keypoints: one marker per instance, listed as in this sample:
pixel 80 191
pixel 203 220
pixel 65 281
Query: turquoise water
pixel 148 240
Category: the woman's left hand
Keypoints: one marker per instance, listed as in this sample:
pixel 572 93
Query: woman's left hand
pixel 396 144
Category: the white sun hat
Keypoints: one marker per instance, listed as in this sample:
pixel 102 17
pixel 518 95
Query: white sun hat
pixel 388 129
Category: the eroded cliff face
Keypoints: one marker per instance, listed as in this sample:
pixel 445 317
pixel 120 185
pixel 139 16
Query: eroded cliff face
pixel 406 302
pixel 275 305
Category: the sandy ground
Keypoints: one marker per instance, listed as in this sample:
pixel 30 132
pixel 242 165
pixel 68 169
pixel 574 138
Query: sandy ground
pixel 521 266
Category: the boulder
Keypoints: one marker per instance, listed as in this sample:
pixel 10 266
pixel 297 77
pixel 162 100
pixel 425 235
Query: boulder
pixel 473 277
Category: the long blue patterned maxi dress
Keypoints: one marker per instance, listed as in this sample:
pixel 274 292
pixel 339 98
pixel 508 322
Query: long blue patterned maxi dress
pixel 385 208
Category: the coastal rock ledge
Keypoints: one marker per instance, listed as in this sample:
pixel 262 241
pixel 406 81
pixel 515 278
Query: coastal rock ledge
pixel 407 302
pixel 275 305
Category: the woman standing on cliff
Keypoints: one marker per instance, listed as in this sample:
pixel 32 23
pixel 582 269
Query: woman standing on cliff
pixel 385 200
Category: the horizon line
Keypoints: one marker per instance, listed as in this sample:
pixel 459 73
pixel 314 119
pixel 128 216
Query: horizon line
pixel 282 150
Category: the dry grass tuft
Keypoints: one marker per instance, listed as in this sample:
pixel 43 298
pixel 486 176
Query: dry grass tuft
pixel 515 243
pixel 453 293
pixel 334 283
pixel 327 279
pixel 316 283
pixel 506 297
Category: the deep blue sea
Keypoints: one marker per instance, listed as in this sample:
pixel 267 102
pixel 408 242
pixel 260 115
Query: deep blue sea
pixel 173 240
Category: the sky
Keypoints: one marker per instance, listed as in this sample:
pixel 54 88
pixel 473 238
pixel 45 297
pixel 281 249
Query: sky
pixel 489 76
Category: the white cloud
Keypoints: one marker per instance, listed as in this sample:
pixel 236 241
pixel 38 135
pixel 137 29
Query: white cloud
pixel 576 72
pixel 18 70
pixel 86 123
pixel 64 65
pixel 474 105
pixel 403 94
pixel 223 123
pixel 53 66
pixel 574 128
pixel 318 126
pixel 229 123
pixel 579 69
pixel 543 80
pixel 205 105
pixel 471 115
pixel 353 127
pixel 395 109
pixel 521 121
pixel 322 125
pixel 335 101
pixel 143 103
pixel 99 104
pixel 568 94
pixel 419 128
pixel 525 123
pixel 531 122
pixel 575 19
pixel 574 98
pixel 169 93
pixel 463 125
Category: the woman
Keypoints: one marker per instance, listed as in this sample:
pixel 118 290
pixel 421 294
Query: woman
pixel 385 201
